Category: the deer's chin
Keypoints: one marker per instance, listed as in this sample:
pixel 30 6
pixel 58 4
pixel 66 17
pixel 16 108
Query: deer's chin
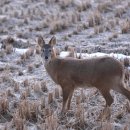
pixel 46 60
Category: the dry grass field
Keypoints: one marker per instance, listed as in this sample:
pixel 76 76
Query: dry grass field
pixel 29 99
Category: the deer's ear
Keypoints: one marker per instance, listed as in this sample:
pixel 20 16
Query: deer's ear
pixel 52 41
pixel 41 41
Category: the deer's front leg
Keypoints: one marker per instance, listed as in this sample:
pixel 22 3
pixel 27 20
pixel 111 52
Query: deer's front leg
pixel 66 93
pixel 69 99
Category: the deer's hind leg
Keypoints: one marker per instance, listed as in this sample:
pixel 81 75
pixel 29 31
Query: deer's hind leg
pixel 121 89
pixel 106 94
pixel 106 113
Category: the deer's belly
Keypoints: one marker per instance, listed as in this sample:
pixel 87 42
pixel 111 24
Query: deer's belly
pixel 83 85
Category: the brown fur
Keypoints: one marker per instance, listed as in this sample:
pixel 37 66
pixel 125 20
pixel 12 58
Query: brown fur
pixel 104 73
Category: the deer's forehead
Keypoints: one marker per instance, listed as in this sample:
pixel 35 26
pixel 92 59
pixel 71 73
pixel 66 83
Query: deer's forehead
pixel 47 46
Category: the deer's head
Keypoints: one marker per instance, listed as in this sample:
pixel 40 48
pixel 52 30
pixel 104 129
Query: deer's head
pixel 47 50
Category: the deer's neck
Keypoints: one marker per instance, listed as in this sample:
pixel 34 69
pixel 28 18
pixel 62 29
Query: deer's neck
pixel 51 69
pixel 50 66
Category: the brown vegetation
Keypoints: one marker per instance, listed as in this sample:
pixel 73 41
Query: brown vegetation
pixel 95 19
pixel 29 99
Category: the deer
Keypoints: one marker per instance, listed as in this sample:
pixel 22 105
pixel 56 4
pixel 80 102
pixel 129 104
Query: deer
pixel 104 73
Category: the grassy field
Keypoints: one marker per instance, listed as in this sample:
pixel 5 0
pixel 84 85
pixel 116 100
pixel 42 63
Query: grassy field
pixel 29 99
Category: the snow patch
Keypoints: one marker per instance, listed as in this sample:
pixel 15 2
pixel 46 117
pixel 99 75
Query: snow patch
pixel 65 54
pixel 20 51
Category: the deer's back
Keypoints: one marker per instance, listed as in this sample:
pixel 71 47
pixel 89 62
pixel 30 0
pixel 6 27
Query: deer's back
pixel 84 72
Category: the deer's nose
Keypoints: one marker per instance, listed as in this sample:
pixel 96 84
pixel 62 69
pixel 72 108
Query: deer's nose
pixel 46 57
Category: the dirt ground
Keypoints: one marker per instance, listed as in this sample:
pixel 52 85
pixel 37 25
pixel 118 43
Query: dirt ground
pixel 29 99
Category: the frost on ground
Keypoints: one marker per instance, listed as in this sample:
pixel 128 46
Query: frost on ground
pixel 29 99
